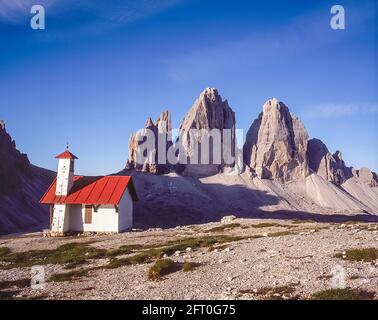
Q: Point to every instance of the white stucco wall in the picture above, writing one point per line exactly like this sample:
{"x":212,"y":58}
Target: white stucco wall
{"x":126,"y":212}
{"x":61,"y":218}
{"x":65,"y":176}
{"x":106,"y":219}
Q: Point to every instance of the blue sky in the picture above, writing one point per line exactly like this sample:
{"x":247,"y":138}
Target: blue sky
{"x":101,"y":67}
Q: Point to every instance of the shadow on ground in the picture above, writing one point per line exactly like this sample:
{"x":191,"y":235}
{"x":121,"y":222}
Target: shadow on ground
{"x":167,"y":202}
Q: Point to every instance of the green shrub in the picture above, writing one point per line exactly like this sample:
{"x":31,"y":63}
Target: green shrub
{"x":366,"y":255}
{"x":225,"y":227}
{"x":343,"y":294}
{"x":265,"y":225}
{"x":280,"y":234}
{"x":73,"y":254}
{"x":162,"y":268}
{"x":69,"y":276}
{"x":189,"y":266}
{"x":123,"y":250}
{"x":20,"y":283}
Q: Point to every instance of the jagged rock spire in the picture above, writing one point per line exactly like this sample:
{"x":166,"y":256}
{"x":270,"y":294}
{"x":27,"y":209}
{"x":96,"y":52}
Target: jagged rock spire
{"x":208,"y":112}
{"x":161,"y":129}
{"x":276,"y":144}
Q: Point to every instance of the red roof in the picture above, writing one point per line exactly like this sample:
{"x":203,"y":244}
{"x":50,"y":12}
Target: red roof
{"x":93,"y":190}
{"x":66,"y":155}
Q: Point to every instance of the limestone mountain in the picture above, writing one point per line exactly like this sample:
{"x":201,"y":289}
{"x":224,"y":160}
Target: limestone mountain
{"x":368,"y":177}
{"x":330,"y":167}
{"x":286,"y":174}
{"x":21,"y":187}
{"x":276,"y":144}
{"x":208,"y":112}
{"x":162,"y":132}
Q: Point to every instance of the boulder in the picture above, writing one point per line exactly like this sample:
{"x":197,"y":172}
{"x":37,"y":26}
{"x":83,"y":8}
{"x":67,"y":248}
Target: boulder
{"x":228,"y":219}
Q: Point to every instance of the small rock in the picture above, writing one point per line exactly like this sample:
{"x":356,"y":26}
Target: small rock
{"x":177,"y":253}
{"x":227,"y":250}
{"x":220,"y":261}
{"x":228,"y":219}
{"x":188,"y":249}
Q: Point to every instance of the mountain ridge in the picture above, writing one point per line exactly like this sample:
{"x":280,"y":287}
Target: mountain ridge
{"x":283,"y":174}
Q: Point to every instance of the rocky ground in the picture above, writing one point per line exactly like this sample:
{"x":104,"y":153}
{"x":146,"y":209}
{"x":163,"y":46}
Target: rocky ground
{"x":254,"y":259}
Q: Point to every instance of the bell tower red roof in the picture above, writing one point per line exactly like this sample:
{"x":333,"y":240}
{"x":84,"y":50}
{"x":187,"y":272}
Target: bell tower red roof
{"x":66,"y":155}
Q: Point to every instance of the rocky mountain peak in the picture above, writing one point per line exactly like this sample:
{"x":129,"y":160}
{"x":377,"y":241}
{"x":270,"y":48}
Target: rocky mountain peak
{"x":149,"y":123}
{"x":13,"y":163}
{"x":208,"y":112}
{"x":338,"y":156}
{"x":274,"y":104}
{"x":330,"y":167}
{"x":161,"y":129}
{"x":276,"y":144}
{"x":368,"y":177}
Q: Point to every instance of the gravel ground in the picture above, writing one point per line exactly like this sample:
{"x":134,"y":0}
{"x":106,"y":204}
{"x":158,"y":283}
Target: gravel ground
{"x":303,"y":259}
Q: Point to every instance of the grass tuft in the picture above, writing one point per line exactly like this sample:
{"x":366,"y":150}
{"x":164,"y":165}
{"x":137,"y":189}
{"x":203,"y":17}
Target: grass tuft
{"x":20,"y":283}
{"x":343,"y":294}
{"x":162,"y":268}
{"x":225,"y":227}
{"x":72,"y":254}
{"x":189,"y":266}
{"x":274,"y":293}
{"x":4,"y":251}
{"x":124,"y":250}
{"x":366,"y":255}
{"x":300,"y":221}
{"x":69,"y":276}
{"x":265,"y":225}
{"x":280,"y":234}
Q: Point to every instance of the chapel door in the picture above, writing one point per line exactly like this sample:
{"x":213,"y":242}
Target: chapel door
{"x":88,"y":214}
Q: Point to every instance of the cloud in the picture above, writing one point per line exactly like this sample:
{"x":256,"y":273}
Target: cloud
{"x":329,"y":110}
{"x":15,"y":11}
{"x":91,"y":15}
